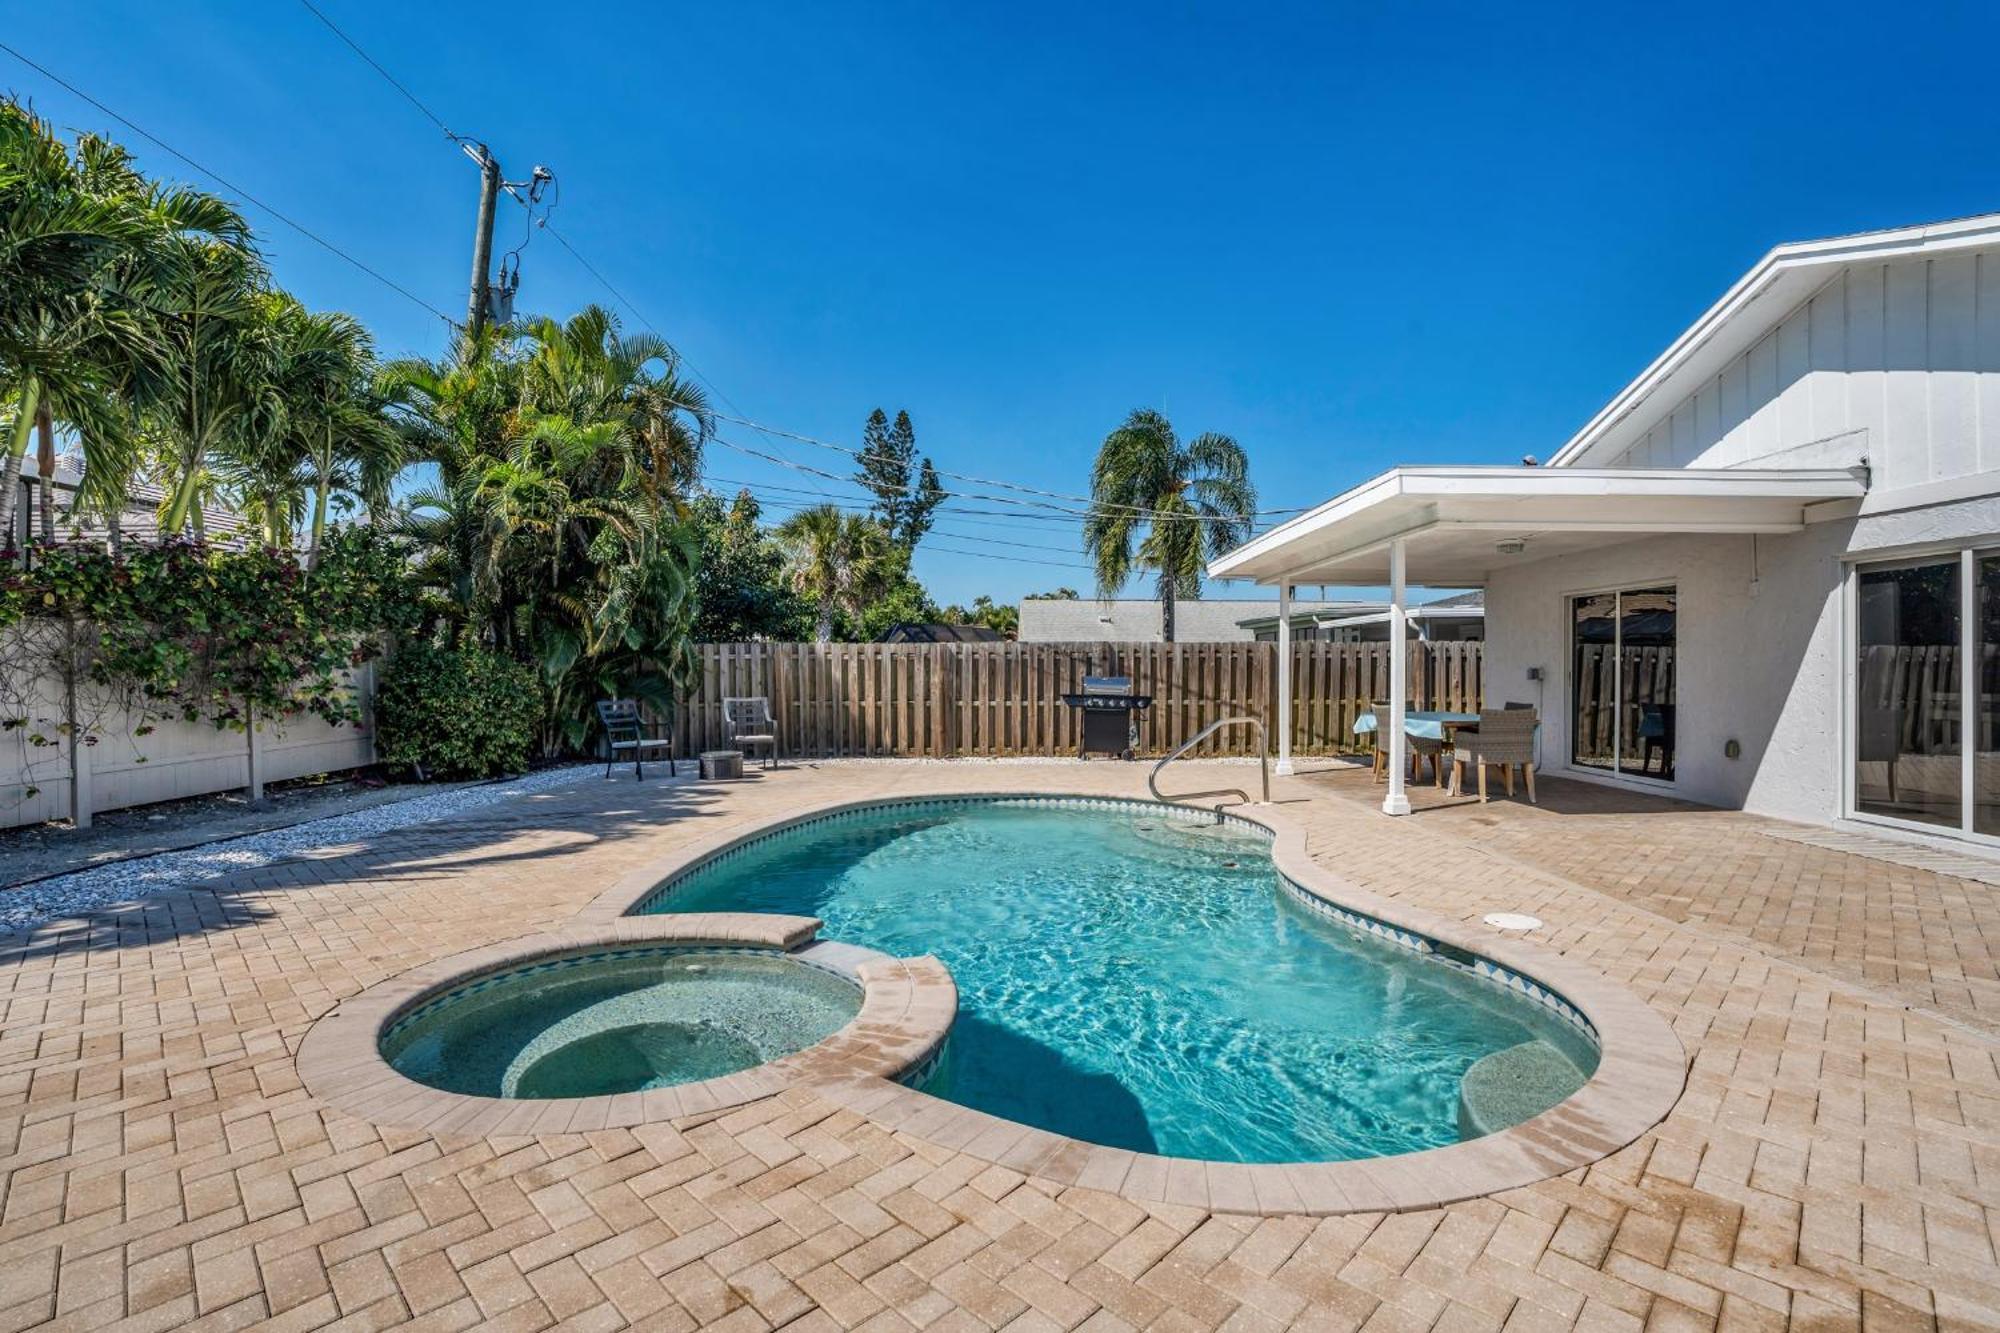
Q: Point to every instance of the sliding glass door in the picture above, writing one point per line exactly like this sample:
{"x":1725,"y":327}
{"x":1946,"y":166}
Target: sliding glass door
{"x":1907,"y":755}
{"x":1622,"y":702}
{"x":1927,"y":636}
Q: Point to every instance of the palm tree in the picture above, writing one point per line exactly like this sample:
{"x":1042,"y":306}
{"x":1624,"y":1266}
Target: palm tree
{"x":324,"y":426}
{"x":220,"y":349}
{"x":1190,"y":501}
{"x":836,"y":561}
{"x":88,"y":247}
{"x":586,"y":370}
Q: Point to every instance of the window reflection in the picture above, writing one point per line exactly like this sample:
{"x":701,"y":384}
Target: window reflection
{"x":1594,"y":680}
{"x":1907,"y":723}
{"x":1646,"y":624}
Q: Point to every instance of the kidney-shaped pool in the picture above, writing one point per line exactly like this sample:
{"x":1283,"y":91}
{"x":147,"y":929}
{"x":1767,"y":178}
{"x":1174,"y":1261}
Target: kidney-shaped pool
{"x":1144,"y":978}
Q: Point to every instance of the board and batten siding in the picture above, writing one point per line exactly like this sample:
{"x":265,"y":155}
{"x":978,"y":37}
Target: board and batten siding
{"x":1895,"y":362}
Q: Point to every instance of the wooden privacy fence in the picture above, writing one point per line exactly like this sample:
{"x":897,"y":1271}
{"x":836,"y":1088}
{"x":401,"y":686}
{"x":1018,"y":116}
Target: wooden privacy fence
{"x":948,"y":700}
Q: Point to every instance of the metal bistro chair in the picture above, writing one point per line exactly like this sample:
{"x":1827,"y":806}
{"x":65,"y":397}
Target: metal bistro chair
{"x":625,"y":729}
{"x":748,"y":722}
{"x":1506,"y":738}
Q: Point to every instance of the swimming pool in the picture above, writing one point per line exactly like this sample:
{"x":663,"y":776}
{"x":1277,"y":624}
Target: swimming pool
{"x":1142,"y":978}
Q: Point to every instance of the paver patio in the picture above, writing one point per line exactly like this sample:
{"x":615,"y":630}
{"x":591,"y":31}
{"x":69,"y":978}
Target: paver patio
{"x":1835,"y":1160}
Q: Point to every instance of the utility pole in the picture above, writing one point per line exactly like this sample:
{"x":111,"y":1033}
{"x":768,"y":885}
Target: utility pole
{"x":482,"y":239}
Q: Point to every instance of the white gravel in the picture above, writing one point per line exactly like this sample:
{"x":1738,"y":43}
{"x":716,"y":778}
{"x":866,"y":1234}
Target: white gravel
{"x":86,"y":891}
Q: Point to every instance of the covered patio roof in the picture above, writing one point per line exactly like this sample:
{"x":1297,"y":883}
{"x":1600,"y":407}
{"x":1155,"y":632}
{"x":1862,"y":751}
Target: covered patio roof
{"x":1452,"y":526}
{"x":1457,"y":524}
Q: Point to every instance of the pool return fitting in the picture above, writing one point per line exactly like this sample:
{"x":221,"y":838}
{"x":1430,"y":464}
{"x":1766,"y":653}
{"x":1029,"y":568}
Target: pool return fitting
{"x":1263,"y":763}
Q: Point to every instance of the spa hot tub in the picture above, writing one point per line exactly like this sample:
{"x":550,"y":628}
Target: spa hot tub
{"x":618,"y":1020}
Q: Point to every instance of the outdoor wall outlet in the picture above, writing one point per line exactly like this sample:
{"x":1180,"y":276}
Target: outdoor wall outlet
{"x":1534,"y":673}
{"x":1732,"y":748}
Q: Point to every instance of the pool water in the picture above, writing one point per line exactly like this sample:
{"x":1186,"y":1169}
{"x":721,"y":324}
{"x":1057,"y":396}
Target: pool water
{"x":620,"y":1022}
{"x":1142,"y":981}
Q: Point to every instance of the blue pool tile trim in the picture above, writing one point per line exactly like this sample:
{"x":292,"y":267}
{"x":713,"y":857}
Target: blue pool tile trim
{"x":1480,"y":966}
{"x":1461,"y":959}
{"x":510,"y":972}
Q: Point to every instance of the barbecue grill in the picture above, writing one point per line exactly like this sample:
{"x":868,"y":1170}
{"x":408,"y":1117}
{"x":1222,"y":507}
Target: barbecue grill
{"x":1107,"y":704}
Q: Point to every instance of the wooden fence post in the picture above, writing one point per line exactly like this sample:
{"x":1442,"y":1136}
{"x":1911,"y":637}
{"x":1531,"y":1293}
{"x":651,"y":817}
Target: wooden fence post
{"x":255,"y":787}
{"x":81,"y":806}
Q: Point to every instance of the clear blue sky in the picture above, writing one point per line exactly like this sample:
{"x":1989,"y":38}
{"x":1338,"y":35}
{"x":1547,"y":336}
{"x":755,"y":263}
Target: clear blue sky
{"x":1349,"y":237}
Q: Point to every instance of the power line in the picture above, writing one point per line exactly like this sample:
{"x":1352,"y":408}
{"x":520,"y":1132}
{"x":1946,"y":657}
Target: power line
{"x":394,"y":82}
{"x":1033,"y":508}
{"x":229,"y":185}
{"x":776,"y":434}
{"x":562,"y":240}
{"x":953,"y":533}
{"x":864,"y":456}
{"x":1014,"y":517}
{"x":1017,"y":559}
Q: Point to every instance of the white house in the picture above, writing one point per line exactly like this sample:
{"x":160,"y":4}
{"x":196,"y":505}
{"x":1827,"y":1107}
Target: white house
{"x":1767,"y":573}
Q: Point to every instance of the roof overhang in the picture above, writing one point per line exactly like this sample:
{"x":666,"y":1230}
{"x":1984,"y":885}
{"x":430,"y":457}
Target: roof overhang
{"x":1459,"y":524}
{"x":1758,"y":302}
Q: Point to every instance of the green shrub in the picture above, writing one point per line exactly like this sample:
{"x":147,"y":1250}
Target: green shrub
{"x":456,"y":712}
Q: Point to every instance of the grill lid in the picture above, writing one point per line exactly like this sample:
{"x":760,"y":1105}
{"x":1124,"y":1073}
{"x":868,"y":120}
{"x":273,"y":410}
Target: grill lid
{"x":1107,"y":684}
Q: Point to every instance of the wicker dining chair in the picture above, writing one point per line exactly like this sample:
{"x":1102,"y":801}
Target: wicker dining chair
{"x":1505,"y":739}
{"x":1379,"y":761}
{"x":1437,"y":750}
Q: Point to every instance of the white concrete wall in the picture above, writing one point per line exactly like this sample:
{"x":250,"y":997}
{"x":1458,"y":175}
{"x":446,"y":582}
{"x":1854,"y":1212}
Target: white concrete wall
{"x":1897,"y":361}
{"x":177,"y":759}
{"x":1763,"y":670}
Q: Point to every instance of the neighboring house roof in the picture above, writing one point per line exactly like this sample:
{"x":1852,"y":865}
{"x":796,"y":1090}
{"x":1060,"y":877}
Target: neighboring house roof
{"x":1137,"y":619}
{"x":1757,"y":303}
{"x":139,"y":519}
{"x":937,"y":633}
{"x":1462,"y":606}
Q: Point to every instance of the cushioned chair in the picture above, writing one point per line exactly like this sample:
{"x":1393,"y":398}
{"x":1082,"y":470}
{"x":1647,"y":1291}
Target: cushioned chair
{"x":1506,"y":739}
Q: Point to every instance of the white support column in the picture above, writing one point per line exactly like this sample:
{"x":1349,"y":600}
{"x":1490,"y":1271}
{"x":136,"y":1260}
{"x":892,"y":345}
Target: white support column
{"x":1397,"y":802}
{"x":1284,"y":680}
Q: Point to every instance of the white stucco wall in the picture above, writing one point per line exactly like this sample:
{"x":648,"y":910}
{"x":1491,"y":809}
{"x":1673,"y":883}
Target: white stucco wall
{"x":1763,"y":670}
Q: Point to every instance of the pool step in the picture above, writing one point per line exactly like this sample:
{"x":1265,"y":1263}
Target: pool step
{"x":1513,"y":1085}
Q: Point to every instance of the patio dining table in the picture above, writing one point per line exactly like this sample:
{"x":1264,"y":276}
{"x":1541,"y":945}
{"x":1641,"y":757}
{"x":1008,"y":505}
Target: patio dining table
{"x":1424,"y":724}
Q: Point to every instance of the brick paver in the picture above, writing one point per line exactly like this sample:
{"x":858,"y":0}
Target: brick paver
{"x":1834,"y":1162}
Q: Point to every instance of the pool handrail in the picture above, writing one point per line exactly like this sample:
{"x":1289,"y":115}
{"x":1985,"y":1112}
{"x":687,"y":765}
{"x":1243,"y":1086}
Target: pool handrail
{"x":1263,"y":762}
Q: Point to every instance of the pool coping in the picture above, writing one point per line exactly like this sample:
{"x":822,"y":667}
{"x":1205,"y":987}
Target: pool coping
{"x":907,"y":1007}
{"x":1641,"y":1070}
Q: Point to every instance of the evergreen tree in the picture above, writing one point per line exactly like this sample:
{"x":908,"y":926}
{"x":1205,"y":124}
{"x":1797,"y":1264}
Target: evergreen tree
{"x":906,"y":488}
